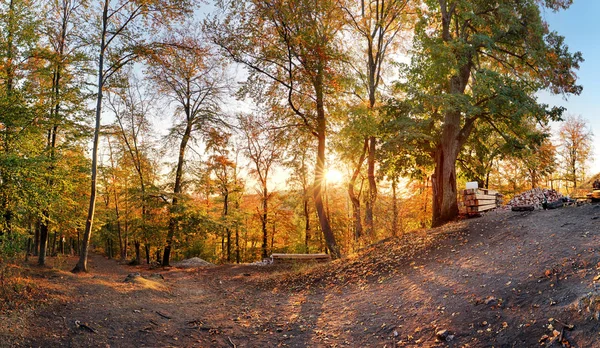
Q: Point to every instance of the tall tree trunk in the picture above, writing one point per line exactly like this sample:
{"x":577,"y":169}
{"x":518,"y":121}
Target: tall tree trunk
{"x":445,"y":205}
{"x":82,"y":263}
{"x":223,"y":247}
{"x":55,"y":111}
{"x":43,"y":244}
{"x":36,"y":239}
{"x":121,"y":245}
{"x":134,"y":153}
{"x":115,"y":193}
{"x":273,"y":235}
{"x":53,"y":253}
{"x":138,"y":253}
{"x":355,"y":198}
{"x":227,"y":235}
{"x":263,"y":220}
{"x":320,"y":170}
{"x":51,"y":146}
{"x":176,"y":192}
{"x":372,"y":196}
{"x":237,"y":244}
{"x":78,"y":246}
{"x":394,"y":207}
{"x":9,"y":81}
{"x":28,"y":249}
{"x":306,"y":222}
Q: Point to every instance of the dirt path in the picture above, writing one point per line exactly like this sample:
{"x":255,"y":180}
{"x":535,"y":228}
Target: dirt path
{"x":497,"y":284}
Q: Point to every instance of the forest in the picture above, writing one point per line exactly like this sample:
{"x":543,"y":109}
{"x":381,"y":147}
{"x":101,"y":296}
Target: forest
{"x":158,"y":130}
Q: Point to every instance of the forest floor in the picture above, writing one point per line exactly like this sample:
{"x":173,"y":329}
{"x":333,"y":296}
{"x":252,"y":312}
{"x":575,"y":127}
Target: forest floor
{"x":507,"y":279}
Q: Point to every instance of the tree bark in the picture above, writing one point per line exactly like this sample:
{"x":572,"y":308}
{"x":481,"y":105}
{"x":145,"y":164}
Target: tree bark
{"x":82,"y":263}
{"x":355,"y":198}
{"x":445,"y":205}
{"x":138,"y":253}
{"x":43,"y":244}
{"x":394,"y":207}
{"x":177,"y":190}
{"x":147,"y":249}
{"x":320,"y":170}
{"x":306,"y":222}
{"x":372,"y":196}
{"x":263,"y":221}
{"x":227,"y":229}
{"x":36,"y":239}
{"x":53,"y":253}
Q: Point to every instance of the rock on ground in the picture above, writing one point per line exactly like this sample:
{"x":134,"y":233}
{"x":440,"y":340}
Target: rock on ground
{"x":193,"y":262}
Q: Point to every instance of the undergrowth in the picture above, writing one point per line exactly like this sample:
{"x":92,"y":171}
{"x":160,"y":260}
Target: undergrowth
{"x":16,"y":288}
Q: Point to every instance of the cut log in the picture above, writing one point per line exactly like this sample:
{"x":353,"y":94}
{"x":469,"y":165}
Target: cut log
{"x":282,"y":258}
{"x":481,"y":208}
{"x":523,"y":208}
{"x":479,"y":191}
{"x":478,"y":196}
{"x":477,"y":202}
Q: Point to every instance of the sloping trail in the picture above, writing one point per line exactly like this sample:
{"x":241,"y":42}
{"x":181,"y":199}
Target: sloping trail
{"x":496,"y":283}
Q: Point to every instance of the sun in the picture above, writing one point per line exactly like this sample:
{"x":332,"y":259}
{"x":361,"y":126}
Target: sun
{"x":334,"y":176}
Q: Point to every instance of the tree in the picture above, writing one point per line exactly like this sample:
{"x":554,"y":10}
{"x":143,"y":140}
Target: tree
{"x":526,"y":143}
{"x":299,"y":149}
{"x":224,"y":170}
{"x":18,"y":41}
{"x":293,"y":45}
{"x":65,"y":98}
{"x":189,"y":73}
{"x":131,"y":106}
{"x":377,"y":24}
{"x":575,"y":147}
{"x":482,"y":62}
{"x":264,"y":148}
{"x":121,"y":40}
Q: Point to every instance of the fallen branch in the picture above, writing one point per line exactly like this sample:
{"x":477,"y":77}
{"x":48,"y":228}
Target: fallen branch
{"x":84,"y":326}
{"x":230,"y":341}
{"x":560,"y":338}
{"x":567,"y":326}
{"x":163,"y":315}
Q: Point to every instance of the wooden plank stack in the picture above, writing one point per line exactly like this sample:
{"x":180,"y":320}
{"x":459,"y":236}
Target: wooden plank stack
{"x":288,"y":258}
{"x":476,"y":201}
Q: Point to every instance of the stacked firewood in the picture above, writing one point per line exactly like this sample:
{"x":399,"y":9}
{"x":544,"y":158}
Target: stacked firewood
{"x":535,"y":198}
{"x":475,"y":201}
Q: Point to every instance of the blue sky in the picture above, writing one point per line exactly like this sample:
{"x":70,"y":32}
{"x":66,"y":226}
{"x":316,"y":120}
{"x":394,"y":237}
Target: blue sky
{"x":580,"y":27}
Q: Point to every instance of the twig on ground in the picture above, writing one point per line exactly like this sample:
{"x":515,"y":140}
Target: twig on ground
{"x":163,"y":315}
{"x":567,"y":326}
{"x":560,"y":338}
{"x":230,"y":341}
{"x":84,"y":326}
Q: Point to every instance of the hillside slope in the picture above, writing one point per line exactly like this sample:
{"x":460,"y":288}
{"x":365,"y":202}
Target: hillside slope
{"x":507,"y":279}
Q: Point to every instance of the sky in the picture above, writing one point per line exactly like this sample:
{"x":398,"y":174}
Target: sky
{"x":580,"y":27}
